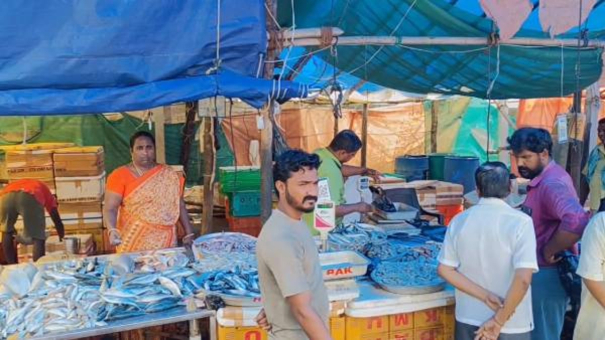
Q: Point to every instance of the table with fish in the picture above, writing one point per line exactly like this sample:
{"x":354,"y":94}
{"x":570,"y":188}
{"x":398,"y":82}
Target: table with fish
{"x":99,"y":295}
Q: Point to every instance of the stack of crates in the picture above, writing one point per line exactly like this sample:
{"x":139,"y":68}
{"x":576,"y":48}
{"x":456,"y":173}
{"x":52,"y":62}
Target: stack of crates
{"x":241,"y":186}
{"x":80,"y":181}
{"x":431,"y":324}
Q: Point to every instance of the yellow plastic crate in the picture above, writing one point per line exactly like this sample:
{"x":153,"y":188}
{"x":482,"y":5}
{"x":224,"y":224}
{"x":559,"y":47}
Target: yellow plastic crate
{"x":381,"y":336}
{"x":407,"y":334}
{"x":429,"y":318}
{"x":450,"y":319}
{"x":241,"y":333}
{"x":356,"y":328}
{"x":435,"y":333}
{"x":401,"y":322}
{"x":338,"y":328}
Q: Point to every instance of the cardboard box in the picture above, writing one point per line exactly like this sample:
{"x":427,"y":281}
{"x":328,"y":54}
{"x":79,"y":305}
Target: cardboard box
{"x":80,"y":210}
{"x":37,"y":172}
{"x":26,"y":158}
{"x":401,"y":322}
{"x":80,"y":189}
{"x":356,"y":327}
{"x":433,"y":193}
{"x":79,"y":162}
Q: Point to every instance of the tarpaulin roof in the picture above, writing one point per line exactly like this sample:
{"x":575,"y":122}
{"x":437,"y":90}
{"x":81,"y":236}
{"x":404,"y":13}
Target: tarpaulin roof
{"x":96,"y":56}
{"x":519,"y":71}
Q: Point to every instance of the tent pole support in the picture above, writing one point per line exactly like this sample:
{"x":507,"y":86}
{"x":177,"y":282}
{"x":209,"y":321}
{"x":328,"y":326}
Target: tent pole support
{"x":438,"y":41}
{"x":159,"y":118}
{"x":209,"y":160}
{"x":266,"y":135}
{"x":364,"y":136}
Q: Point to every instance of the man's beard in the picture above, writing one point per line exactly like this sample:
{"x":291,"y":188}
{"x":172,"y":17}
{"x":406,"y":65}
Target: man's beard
{"x":299,"y":206}
{"x":530,"y":174}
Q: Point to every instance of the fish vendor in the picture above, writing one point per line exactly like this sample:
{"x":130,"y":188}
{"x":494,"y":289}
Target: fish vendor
{"x":27,"y":198}
{"x":341,"y":150}
{"x":295,"y":299}
{"x":144,"y":201}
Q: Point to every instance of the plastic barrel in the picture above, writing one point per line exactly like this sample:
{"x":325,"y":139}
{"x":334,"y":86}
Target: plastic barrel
{"x":461,"y":170}
{"x":436,"y":166}
{"x":413,"y":168}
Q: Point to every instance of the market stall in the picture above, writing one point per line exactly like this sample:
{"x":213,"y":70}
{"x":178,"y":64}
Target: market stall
{"x":379,"y":286}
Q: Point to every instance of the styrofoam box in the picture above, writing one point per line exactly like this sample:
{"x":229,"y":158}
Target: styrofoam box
{"x":80,"y":189}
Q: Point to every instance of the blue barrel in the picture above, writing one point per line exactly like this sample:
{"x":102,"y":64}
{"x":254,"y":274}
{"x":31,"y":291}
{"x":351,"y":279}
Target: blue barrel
{"x":413,"y":168}
{"x":461,"y":170}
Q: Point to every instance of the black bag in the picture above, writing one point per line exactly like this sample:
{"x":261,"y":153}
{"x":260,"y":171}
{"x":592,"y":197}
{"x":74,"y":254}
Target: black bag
{"x":572,"y":282}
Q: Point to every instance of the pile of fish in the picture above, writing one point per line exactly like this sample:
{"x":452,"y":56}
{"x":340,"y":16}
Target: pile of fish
{"x":88,"y":293}
{"x":355,"y":237}
{"x":419,"y":273}
{"x":218,"y":262}
{"x":221,"y":243}
{"x":395,"y":250}
{"x":235,"y":282}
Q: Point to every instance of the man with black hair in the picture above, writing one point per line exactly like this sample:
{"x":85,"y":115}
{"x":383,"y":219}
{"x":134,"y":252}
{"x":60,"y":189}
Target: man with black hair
{"x":488,"y":262}
{"x":559,"y":221}
{"x":341,"y":150}
{"x":595,"y":172}
{"x":295,"y":299}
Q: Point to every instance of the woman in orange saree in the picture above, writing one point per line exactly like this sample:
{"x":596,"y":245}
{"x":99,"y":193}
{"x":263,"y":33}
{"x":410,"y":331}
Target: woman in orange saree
{"x":143,"y":202}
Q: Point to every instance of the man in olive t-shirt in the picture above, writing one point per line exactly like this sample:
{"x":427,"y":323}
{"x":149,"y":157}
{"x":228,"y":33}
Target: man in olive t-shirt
{"x":341,"y":150}
{"x":295,"y":299}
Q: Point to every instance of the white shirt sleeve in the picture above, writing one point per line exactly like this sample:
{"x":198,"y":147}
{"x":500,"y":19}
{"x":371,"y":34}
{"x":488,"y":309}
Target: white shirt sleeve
{"x":524,"y":254}
{"x":592,"y":256}
{"x":448,"y":254}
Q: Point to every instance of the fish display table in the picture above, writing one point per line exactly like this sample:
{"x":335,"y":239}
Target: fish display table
{"x":156,"y":319}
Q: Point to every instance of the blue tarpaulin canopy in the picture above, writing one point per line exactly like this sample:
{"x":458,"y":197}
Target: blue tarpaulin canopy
{"x":95,"y":56}
{"x":515,"y":71}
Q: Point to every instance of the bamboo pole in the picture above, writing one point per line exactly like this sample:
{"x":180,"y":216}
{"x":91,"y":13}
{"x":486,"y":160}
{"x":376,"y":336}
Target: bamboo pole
{"x":434,"y":126}
{"x":266,"y":136}
{"x":159,"y":117}
{"x":209,"y":157}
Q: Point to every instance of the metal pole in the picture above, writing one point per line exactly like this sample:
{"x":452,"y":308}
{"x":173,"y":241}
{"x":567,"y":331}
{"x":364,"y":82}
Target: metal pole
{"x":437,"y":41}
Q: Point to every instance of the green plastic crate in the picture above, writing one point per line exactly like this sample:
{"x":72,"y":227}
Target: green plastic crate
{"x":244,"y":203}
{"x":239,"y":179}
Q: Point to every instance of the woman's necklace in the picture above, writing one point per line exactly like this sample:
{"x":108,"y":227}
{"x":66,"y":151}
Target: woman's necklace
{"x":139,"y":172}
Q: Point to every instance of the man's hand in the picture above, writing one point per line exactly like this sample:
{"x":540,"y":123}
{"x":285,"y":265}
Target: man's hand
{"x":61,"y":232}
{"x":261,"y":320}
{"x":493,"y":301}
{"x":364,"y":208}
{"x":490,"y":330}
{"x":550,"y":257}
{"x":375,"y":174}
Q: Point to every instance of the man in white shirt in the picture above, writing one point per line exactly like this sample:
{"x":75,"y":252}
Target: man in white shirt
{"x":590,"y":325}
{"x":489,"y":256}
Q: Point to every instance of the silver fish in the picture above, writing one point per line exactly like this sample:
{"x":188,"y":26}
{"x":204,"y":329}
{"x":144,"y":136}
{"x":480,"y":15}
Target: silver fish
{"x":170,"y":285}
